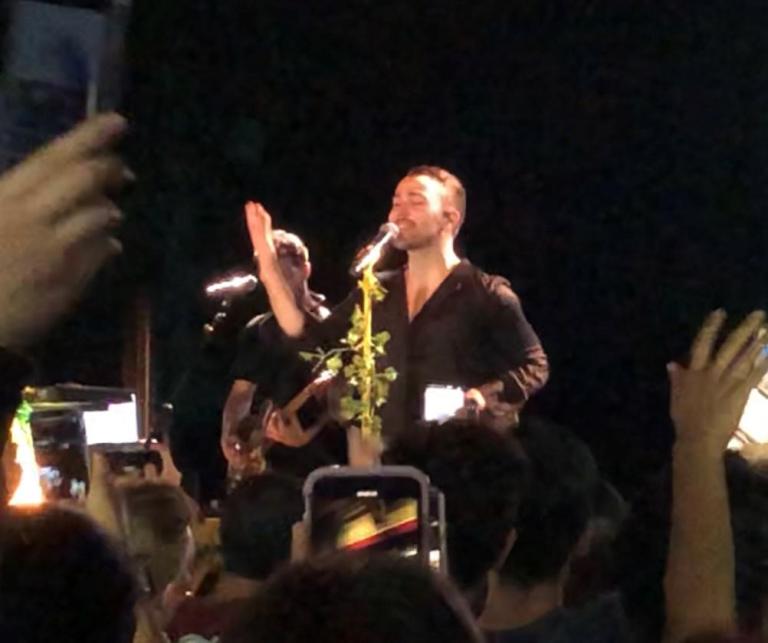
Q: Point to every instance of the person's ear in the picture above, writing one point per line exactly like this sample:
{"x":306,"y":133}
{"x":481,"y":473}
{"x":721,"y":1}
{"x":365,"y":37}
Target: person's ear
{"x":307,"y":270}
{"x":299,"y":541}
{"x":508,"y":544}
{"x":453,"y":218}
{"x":584,"y":543}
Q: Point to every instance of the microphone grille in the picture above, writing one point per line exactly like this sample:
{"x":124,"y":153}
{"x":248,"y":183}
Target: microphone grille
{"x":391,"y":228}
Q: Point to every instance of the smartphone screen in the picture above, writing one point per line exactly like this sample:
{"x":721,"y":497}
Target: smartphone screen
{"x":753,"y":425}
{"x":109,"y":415}
{"x":130,"y":459}
{"x":61,"y":454}
{"x":441,"y":403}
{"x":61,"y":63}
{"x":351,"y":509}
{"x":438,"y":555}
{"x":114,"y":422}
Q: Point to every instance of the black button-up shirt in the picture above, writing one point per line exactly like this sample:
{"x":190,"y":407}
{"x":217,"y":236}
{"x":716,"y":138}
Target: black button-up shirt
{"x":470,"y":332}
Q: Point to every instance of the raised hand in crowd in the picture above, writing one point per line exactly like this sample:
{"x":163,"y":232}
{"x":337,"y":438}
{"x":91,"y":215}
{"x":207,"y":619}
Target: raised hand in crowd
{"x":169,"y":472}
{"x":706,"y":401}
{"x":152,"y":520}
{"x":58,"y":224}
{"x":708,"y":398}
{"x":363,"y":451}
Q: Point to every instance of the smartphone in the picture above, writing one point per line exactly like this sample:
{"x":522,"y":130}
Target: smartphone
{"x":441,"y":403}
{"x":62,"y":62}
{"x":438,"y":553}
{"x":381,"y":509}
{"x":753,"y":425}
{"x":130,"y":459}
{"x":61,"y":453}
{"x":110,"y":415}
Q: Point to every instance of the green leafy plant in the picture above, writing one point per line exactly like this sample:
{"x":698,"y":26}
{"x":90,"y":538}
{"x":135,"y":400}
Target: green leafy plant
{"x":367,"y":388}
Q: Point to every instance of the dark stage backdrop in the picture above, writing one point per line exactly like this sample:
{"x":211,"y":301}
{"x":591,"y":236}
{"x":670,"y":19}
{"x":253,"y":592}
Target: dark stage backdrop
{"x":614,"y":153}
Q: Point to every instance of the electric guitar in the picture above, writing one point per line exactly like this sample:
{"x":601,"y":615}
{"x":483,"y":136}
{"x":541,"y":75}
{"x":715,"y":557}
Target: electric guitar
{"x":272,"y":425}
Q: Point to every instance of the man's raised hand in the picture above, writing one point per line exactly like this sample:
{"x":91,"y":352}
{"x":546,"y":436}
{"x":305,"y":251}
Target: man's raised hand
{"x":260,"y":229}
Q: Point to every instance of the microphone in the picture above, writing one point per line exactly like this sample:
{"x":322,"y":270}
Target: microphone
{"x":232,"y":285}
{"x":371,"y":253}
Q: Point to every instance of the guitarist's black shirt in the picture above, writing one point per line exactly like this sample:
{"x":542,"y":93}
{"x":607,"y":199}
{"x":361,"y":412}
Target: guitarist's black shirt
{"x":266,"y":360}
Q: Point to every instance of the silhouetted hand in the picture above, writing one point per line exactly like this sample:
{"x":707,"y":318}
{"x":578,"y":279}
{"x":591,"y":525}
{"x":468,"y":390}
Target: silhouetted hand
{"x":234,"y":450}
{"x":57,"y":224}
{"x":363,"y":451}
{"x":101,"y":502}
{"x":474,"y":402}
{"x":170,"y":472}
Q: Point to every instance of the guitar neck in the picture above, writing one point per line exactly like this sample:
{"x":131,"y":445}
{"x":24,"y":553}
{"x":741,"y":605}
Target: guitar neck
{"x":304,"y":394}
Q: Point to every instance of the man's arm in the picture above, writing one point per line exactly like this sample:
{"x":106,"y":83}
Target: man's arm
{"x":288,"y":313}
{"x":522,"y":381}
{"x":523,"y":366}
{"x":250,"y":364}
{"x":236,"y":408}
{"x":706,"y":402}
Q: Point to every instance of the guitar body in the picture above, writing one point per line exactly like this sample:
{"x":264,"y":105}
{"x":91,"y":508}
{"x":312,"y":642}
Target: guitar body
{"x":272,"y":425}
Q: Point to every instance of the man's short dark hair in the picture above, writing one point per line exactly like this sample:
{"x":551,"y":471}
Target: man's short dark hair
{"x":348,"y":598}
{"x":557,"y":507}
{"x":457,"y":195}
{"x":61,"y":578}
{"x":256,"y":525}
{"x":482,"y":475}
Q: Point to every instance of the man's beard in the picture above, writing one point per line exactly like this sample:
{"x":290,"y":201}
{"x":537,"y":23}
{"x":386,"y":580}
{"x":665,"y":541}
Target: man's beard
{"x":406,"y":244}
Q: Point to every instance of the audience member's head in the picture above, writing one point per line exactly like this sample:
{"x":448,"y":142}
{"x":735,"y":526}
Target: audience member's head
{"x":62,"y":579}
{"x":593,"y":570}
{"x":349,"y":598}
{"x":256,"y":525}
{"x":157,"y":521}
{"x":482,"y":475}
{"x":557,"y":507}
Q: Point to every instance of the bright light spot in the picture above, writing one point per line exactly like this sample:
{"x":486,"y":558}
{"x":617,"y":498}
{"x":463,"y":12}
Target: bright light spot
{"x":29,"y":492}
{"x":234,"y":284}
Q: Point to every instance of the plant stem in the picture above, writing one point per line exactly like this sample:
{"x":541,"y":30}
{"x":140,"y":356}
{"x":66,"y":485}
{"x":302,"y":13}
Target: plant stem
{"x":367,"y":284}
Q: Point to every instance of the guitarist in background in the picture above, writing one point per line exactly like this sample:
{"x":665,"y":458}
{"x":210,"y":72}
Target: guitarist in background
{"x":270,"y":376}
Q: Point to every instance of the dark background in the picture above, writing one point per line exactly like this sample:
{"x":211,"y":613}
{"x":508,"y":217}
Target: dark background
{"x":614,"y":155}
